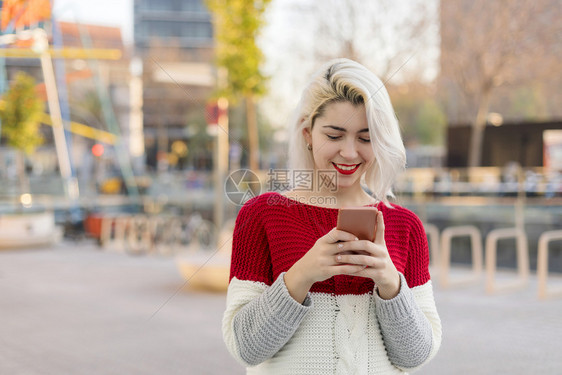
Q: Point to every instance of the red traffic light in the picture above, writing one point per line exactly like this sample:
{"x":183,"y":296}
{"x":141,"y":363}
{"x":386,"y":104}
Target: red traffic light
{"x":97,"y":149}
{"x":216,"y":109}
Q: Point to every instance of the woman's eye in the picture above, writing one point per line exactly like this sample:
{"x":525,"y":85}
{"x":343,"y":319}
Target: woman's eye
{"x":334,"y":137}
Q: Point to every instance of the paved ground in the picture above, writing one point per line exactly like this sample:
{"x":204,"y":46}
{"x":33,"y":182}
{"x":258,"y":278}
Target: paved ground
{"x":74,"y":309}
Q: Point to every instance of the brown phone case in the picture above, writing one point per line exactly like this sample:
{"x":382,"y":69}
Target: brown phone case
{"x":360,"y":221}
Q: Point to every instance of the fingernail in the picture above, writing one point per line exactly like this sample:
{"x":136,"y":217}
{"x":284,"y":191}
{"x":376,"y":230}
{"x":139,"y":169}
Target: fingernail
{"x":356,"y":239}
{"x":340,"y":246}
{"x":339,"y":257}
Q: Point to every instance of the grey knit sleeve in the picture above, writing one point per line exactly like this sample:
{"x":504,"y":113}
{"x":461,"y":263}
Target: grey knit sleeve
{"x":406,"y":331}
{"x":264,"y":325}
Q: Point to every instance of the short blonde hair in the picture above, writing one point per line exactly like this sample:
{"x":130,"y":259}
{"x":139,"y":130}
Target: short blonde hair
{"x":344,"y":80}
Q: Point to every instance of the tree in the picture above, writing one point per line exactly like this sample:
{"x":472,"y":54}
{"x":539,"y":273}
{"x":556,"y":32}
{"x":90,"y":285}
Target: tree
{"x":380,"y":36}
{"x":421,"y":118}
{"x":20,"y":112}
{"x":489,"y":44}
{"x":239,"y":133}
{"x":237,"y":24}
{"x":397,"y":40}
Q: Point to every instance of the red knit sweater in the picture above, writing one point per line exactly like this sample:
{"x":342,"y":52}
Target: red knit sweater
{"x":272,"y":232}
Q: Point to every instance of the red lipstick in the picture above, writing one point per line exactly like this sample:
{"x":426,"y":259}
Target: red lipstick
{"x":346,"y":172}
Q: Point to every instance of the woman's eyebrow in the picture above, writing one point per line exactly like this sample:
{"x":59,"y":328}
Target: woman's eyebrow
{"x":366,"y":130}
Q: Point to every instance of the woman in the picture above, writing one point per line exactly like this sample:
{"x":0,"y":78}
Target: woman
{"x":306,"y":298}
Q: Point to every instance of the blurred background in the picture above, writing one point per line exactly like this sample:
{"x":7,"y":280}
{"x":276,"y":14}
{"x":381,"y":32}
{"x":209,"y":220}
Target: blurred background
{"x":138,"y":128}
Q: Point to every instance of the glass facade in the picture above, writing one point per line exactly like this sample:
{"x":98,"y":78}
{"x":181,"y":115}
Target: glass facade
{"x":186,"y":22}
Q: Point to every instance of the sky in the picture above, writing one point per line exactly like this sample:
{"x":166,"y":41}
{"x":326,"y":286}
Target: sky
{"x":101,"y":12}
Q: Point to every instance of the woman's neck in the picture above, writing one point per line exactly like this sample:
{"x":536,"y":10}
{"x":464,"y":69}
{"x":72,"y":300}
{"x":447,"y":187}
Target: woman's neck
{"x":328,"y":196}
{"x":352,"y":196}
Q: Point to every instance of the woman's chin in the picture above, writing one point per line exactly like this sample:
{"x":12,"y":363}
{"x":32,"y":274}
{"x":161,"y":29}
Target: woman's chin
{"x":347,"y":185}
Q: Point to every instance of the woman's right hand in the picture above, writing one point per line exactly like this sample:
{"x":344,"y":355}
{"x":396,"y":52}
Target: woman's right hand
{"x":319,"y":264}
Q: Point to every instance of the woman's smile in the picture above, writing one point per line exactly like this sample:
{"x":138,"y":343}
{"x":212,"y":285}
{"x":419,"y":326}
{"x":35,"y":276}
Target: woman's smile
{"x":346,"y":169}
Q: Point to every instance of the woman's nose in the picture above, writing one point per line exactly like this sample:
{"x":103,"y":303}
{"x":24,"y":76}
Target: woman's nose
{"x":349,"y":150}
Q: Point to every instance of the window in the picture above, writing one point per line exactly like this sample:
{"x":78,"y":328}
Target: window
{"x":164,"y":29}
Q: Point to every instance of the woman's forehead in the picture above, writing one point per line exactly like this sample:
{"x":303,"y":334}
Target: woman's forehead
{"x":344,"y":116}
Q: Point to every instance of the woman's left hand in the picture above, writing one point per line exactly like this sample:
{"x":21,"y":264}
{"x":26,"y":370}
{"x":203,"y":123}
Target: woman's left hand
{"x":374,"y":256}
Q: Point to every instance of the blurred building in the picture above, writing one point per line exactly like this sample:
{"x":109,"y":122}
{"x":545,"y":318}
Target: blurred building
{"x":99,"y":93}
{"x":527,"y":144}
{"x":173,"y":43}
{"x":92,"y":91}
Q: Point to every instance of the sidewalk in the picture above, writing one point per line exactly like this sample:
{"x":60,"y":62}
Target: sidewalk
{"x":74,"y":309}
{"x":507,"y":333}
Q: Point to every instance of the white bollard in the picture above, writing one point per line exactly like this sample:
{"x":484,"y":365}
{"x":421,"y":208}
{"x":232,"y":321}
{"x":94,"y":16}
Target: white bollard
{"x":542,"y":264}
{"x":445,"y":256}
{"x":522,"y":258}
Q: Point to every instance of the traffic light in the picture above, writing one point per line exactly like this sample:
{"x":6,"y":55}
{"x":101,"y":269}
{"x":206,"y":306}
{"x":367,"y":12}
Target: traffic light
{"x":97,"y":150}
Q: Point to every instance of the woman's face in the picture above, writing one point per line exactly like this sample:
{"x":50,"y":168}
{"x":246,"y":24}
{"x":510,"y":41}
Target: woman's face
{"x":340,"y":141}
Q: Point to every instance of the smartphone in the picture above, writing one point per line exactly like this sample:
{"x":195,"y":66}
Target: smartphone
{"x":360,"y":221}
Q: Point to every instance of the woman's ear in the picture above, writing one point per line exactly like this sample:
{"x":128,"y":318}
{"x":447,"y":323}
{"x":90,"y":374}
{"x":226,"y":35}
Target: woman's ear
{"x":307,"y":136}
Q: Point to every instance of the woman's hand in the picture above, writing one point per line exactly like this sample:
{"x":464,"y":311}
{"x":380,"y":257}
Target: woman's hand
{"x":375,"y":260}
{"x":320,"y":263}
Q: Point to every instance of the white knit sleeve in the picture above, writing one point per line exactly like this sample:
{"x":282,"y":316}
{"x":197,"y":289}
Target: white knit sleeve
{"x":410,"y":325}
{"x":423,"y":294}
{"x":260,"y":319}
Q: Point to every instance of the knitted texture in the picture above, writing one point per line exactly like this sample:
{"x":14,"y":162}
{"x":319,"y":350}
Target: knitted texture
{"x":273,"y":315}
{"x":407,"y":335}
{"x":343,"y":327}
{"x":272,"y":232}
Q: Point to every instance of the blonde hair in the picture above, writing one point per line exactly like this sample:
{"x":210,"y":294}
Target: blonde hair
{"x":344,"y":80}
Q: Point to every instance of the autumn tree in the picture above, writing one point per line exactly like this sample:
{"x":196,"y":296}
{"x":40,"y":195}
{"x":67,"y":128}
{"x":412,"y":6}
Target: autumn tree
{"x":388,"y":37}
{"x":486,"y":45}
{"x":397,"y":40}
{"x":421,"y":118}
{"x":237,"y":24}
{"x":20,"y":111}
